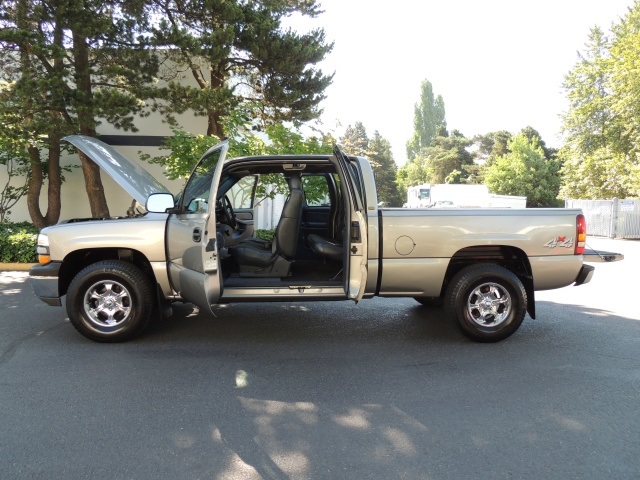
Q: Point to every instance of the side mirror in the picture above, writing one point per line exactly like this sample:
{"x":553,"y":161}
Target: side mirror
{"x":159,"y":202}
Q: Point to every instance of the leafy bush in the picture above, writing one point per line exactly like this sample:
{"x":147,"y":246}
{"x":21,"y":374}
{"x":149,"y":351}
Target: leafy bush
{"x":266,"y":234}
{"x":18,"y":242}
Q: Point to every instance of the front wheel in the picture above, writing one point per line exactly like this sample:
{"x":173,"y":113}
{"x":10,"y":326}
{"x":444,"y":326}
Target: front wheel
{"x":110,"y":301}
{"x":486,"y":302}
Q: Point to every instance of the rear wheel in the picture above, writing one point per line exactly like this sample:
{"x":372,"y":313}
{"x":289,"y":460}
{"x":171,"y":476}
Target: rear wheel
{"x":486,"y":302}
{"x":110,"y":301}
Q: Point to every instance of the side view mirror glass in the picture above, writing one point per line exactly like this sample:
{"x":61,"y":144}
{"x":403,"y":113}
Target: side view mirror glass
{"x":159,"y":202}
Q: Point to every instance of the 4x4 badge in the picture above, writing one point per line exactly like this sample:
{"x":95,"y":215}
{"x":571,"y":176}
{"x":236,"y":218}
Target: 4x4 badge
{"x":560,"y":242}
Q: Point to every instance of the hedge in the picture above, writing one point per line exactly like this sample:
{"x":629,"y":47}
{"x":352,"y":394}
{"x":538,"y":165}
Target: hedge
{"x":18,"y":242}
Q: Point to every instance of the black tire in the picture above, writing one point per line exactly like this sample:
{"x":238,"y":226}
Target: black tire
{"x":486,"y":302}
{"x":430,"y":301}
{"x":110,"y":301}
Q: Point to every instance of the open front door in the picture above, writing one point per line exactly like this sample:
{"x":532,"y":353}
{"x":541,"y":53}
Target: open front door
{"x":356,"y":275}
{"x":191,"y":245}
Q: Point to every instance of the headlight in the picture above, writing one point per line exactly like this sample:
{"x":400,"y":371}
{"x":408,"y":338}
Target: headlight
{"x":43,"y":249}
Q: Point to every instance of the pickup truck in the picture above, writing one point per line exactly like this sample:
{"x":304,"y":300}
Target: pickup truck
{"x":332,"y":242}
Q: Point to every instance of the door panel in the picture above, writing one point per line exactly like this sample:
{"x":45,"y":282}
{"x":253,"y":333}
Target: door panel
{"x":191,"y":234}
{"x":315,"y":220}
{"x":357,"y":257}
{"x":316,"y":212}
{"x":356,"y":274}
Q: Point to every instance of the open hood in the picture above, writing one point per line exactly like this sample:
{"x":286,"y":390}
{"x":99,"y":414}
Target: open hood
{"x":136,"y":181}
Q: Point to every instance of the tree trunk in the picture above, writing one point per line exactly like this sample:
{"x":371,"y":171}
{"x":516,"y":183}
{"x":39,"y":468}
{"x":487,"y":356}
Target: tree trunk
{"x":35,"y":181}
{"x":55,"y":183}
{"x":35,"y":186}
{"x":214,"y":125}
{"x":214,"y":117}
{"x":86,"y":121}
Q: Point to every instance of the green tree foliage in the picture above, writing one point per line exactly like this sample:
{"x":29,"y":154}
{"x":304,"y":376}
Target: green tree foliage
{"x":447,"y":160}
{"x":355,"y":140}
{"x":600,"y":174}
{"x":491,"y":145}
{"x":448,"y":154}
{"x":590,"y":124}
{"x":412,"y":173}
{"x":486,"y":148}
{"x":428,"y":120}
{"x":377,"y":150}
{"x":185,"y":149}
{"x":525,"y":171}
{"x":624,"y":81}
{"x":602,"y":125}
{"x":384,"y":171}
{"x":15,"y":158}
{"x":66,"y":65}
{"x":243,"y":65}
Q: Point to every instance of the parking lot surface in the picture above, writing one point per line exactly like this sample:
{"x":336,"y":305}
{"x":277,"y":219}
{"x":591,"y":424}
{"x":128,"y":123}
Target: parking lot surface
{"x":386,"y":389}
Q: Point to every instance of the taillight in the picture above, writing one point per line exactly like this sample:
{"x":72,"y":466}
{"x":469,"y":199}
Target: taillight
{"x":581,"y":234}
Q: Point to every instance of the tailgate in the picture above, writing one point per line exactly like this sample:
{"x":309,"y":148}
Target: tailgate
{"x":597,"y":256}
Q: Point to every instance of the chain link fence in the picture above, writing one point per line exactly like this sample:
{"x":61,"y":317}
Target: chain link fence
{"x":610,"y":218}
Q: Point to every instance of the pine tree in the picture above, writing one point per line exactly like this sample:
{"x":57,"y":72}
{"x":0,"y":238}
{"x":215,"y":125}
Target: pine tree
{"x":247,"y":69}
{"x":384,"y":171}
{"x":68,"y":64}
{"x":355,"y":140}
{"x":378,"y":151}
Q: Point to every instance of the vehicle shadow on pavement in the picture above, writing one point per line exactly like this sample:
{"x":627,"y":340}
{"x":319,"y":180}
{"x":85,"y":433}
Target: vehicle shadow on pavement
{"x":306,"y":320}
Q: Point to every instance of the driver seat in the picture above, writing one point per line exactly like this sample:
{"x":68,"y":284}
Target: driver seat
{"x":264,"y":259}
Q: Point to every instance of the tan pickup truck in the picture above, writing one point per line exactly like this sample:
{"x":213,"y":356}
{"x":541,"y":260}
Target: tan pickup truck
{"x":332,"y":242}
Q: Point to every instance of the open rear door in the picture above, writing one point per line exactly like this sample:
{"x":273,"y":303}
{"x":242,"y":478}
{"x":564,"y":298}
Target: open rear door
{"x":191,"y":244}
{"x":356,"y":275}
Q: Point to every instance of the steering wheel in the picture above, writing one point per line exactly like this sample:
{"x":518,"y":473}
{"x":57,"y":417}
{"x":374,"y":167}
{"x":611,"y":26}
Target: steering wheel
{"x":228,"y":213}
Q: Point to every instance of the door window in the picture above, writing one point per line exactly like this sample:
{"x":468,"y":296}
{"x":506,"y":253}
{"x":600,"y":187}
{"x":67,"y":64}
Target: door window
{"x":316,"y":191}
{"x":241,"y":194}
{"x":196,"y":194}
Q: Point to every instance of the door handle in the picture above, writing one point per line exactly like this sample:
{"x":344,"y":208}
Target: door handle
{"x":197,"y":235}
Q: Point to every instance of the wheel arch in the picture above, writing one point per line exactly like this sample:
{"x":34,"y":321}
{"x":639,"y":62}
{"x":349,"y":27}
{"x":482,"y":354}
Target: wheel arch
{"x":509,"y":257}
{"x":77,"y":260}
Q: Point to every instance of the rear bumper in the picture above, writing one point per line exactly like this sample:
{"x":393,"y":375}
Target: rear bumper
{"x":586,"y":272}
{"x":44,"y":281}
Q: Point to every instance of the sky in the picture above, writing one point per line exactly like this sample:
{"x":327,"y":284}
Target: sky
{"x":498,"y":64}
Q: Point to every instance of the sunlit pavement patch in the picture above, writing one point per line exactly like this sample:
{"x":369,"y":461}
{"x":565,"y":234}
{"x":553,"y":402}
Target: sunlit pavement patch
{"x":7,"y":277}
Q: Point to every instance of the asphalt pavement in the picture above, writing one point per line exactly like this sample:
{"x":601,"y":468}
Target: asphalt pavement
{"x":386,"y":389}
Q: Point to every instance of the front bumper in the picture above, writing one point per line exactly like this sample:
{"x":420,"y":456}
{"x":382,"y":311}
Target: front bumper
{"x":586,"y":272}
{"x":44,"y":280}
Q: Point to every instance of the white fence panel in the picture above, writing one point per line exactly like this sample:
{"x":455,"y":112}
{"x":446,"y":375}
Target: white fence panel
{"x":610,"y":218}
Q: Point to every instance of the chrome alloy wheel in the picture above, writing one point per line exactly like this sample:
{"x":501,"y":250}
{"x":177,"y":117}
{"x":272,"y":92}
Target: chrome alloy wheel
{"x":489,"y":305}
{"x":107,"y":303}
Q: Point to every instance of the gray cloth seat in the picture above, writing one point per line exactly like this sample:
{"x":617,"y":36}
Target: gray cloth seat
{"x":262,"y":254}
